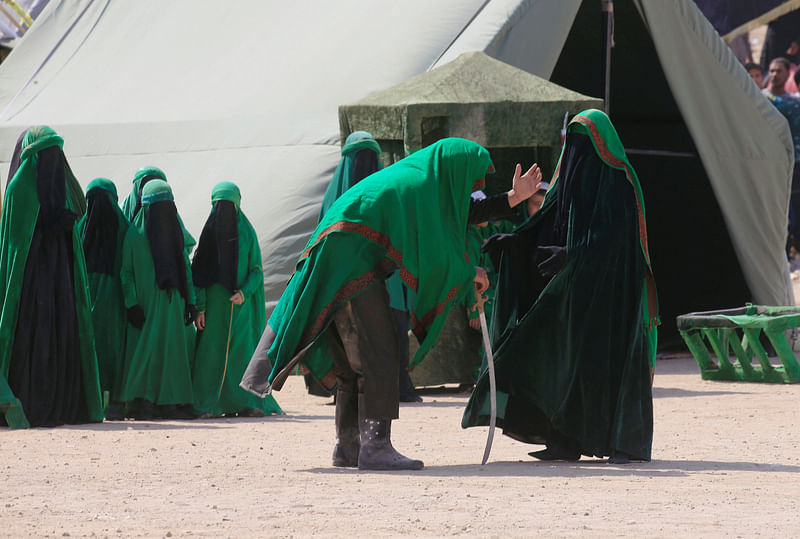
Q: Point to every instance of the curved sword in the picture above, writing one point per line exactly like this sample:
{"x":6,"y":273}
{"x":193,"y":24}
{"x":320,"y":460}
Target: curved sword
{"x":487,"y":347}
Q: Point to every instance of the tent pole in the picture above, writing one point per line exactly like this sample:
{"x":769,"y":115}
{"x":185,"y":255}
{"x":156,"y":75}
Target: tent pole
{"x":608,"y":37}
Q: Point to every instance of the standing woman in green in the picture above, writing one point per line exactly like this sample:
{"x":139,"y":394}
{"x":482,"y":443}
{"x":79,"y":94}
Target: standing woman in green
{"x":46,"y":343}
{"x":156,"y":283}
{"x":103,"y":230}
{"x":229,"y":282}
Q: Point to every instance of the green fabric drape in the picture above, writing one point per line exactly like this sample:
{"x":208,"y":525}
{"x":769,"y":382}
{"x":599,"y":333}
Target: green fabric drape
{"x":341,"y":181}
{"x":573,"y":354}
{"x":20,"y":212}
{"x":411,"y":216}
{"x":11,"y":408}
{"x":108,"y":305}
{"x":231,"y":332}
{"x":135,"y":196}
{"x":158,"y":356}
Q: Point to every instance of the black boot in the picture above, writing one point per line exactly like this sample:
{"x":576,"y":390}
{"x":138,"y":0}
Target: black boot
{"x":377,"y":452}
{"x":345,"y":452}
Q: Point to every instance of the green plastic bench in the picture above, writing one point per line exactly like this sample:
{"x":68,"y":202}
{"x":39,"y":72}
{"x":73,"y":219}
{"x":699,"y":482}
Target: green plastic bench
{"x":727,"y":344}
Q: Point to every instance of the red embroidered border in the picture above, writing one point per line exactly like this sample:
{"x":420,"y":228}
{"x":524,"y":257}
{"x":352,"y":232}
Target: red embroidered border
{"x":361,"y":283}
{"x":610,"y":158}
{"x":350,"y":289}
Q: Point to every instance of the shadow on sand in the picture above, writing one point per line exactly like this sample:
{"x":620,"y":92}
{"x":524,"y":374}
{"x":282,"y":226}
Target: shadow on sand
{"x":588,"y":467}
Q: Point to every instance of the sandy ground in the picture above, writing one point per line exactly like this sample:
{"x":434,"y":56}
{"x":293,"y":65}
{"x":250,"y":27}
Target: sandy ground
{"x":726,"y":461}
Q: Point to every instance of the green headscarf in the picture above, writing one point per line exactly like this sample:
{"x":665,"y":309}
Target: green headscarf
{"x":104,"y":184}
{"x":341,"y":181}
{"x":411,"y":216}
{"x":133,"y":202}
{"x":156,"y":191}
{"x":226,"y":191}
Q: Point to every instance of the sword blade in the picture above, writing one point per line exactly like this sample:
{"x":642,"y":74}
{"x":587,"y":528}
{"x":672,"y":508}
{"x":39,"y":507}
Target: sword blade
{"x":492,"y":387}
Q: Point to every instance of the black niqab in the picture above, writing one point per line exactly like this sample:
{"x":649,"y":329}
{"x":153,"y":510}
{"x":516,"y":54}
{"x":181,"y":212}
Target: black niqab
{"x":364,"y":164}
{"x":578,"y":153}
{"x":100,"y":233}
{"x":142,"y":183}
{"x":217,"y":257}
{"x":165,"y":235}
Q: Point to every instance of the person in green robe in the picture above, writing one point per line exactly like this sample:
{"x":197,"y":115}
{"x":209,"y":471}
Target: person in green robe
{"x":411,"y":217}
{"x":575,"y":314}
{"x":47,"y":352}
{"x":130,"y":209}
{"x":159,"y":300}
{"x":133,"y":202}
{"x":103,"y":229}
{"x":229,"y":283}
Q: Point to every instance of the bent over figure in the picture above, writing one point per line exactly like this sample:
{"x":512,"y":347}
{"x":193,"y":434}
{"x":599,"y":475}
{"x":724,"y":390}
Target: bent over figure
{"x":410,"y":217}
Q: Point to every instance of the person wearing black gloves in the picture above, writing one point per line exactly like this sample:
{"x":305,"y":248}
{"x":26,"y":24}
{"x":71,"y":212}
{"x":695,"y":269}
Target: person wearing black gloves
{"x":159,"y":298}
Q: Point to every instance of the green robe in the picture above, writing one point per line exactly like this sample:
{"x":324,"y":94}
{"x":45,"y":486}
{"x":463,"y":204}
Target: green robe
{"x":158,"y":356}
{"x":129,"y":209}
{"x":235,"y":328}
{"x":20,"y":212}
{"x":108,"y":312}
{"x":411,"y":217}
{"x":573,"y":353}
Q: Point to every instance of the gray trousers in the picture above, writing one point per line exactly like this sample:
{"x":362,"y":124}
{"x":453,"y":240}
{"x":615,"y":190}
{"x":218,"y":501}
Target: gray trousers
{"x":365,"y":352}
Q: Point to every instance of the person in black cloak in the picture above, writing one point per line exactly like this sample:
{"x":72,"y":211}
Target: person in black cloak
{"x":46,"y":343}
{"x":575,"y":314}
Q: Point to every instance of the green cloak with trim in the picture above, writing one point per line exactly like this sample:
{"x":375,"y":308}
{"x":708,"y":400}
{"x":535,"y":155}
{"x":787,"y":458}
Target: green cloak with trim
{"x":231,"y":332}
{"x":17,"y":230}
{"x":108,"y":308}
{"x":341,"y":181}
{"x":574,"y":352}
{"x":410,"y":217}
{"x":158,"y":356}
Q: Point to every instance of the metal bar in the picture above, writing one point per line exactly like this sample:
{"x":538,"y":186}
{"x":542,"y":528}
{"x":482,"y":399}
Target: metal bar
{"x":608,"y":32}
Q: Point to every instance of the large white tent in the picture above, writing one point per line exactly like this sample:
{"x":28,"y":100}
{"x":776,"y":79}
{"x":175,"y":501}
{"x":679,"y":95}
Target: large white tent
{"x":248,"y":91}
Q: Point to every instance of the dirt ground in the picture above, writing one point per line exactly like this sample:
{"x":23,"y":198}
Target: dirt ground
{"x":726,"y":460}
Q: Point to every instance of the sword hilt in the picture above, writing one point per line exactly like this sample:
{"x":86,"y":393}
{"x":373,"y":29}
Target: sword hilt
{"x":480,"y":299}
